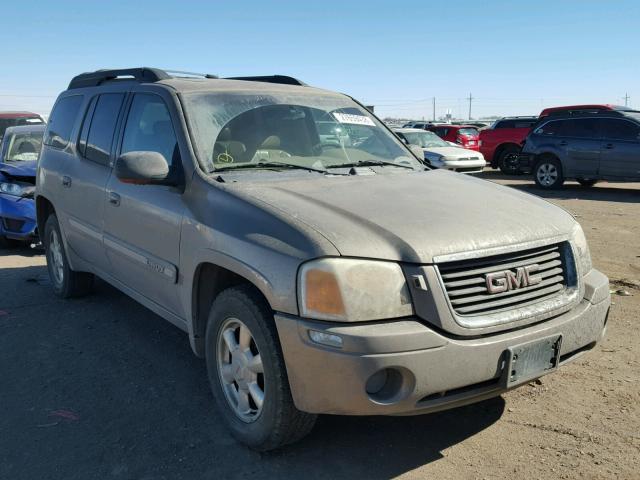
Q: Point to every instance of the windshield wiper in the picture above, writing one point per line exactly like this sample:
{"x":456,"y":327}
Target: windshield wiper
{"x":269,"y":164}
{"x":369,"y":163}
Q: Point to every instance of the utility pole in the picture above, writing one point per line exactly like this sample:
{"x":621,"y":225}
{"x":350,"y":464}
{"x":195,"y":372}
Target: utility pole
{"x":470,"y":100}
{"x":626,"y":99}
{"x":434,"y":109}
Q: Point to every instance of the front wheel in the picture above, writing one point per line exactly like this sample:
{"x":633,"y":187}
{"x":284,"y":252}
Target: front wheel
{"x":247,"y":373}
{"x":548,"y":173}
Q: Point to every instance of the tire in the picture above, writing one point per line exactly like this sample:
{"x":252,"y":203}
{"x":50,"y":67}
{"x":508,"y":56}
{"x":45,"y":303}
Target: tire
{"x":66,"y":283}
{"x":276,"y":421}
{"x":506,"y":160}
{"x":587,"y":182}
{"x":548,"y":173}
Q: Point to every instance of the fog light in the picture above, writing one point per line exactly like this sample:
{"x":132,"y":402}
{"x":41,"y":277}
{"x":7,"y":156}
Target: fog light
{"x":324,"y":338}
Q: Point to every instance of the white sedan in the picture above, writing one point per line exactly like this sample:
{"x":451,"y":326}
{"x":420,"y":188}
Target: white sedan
{"x":441,"y":154}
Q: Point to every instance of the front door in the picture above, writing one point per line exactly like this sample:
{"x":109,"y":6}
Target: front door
{"x":620,"y":149}
{"x":142,"y":222}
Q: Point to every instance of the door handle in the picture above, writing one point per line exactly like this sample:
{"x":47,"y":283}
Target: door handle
{"x":609,"y":146}
{"x":66,"y":181}
{"x":114,"y":199}
{"x":562,"y":143}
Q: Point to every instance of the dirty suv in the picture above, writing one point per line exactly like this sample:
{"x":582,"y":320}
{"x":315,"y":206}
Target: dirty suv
{"x":315,"y":274}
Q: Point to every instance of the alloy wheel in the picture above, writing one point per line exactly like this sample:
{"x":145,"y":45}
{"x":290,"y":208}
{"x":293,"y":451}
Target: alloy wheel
{"x":55,"y":257}
{"x":547,"y":174}
{"x":240,"y":370}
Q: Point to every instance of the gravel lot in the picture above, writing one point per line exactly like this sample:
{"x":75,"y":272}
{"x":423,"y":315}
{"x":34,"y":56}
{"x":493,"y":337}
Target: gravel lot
{"x":102,"y":388}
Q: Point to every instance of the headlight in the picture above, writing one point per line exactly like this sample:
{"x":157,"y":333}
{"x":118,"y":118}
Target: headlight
{"x":582,"y":250}
{"x":16,"y":189}
{"x":352,"y":290}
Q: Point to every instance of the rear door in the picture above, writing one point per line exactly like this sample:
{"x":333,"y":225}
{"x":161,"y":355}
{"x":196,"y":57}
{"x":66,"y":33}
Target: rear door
{"x":581,"y":140}
{"x":142,"y":222}
{"x":620,"y":156}
{"x":86,"y":178}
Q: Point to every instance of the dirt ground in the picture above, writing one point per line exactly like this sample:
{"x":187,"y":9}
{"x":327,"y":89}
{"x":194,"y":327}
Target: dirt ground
{"x":102,"y":388}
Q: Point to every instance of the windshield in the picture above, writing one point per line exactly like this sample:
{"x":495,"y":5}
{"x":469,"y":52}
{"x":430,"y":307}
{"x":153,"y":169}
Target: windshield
{"x":425,"y":139}
{"x":23,"y":147}
{"x":470,"y":132}
{"x":18,"y":121}
{"x":310,"y":130}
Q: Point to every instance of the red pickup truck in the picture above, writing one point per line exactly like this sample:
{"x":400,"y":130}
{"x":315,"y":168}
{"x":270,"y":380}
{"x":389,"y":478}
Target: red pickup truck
{"x":501,"y":142}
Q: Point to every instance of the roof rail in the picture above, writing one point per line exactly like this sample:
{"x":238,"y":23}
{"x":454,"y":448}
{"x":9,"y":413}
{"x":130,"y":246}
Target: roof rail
{"x":284,"y":79}
{"x":180,"y":73}
{"x":93,"y":79}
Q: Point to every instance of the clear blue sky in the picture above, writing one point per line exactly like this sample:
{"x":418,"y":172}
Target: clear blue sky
{"x":514,"y":57}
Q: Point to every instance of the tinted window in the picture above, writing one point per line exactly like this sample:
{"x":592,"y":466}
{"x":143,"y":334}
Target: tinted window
{"x":103,"y":124}
{"x":552,"y":128}
{"x":505,"y":124}
{"x":582,"y":128}
{"x":149,"y":128}
{"x":62,"y":120}
{"x":620,"y":130}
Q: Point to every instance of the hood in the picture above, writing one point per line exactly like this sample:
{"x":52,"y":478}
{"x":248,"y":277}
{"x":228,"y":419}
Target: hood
{"x":451,"y":152}
{"x":19,"y":169}
{"x":412,"y":217}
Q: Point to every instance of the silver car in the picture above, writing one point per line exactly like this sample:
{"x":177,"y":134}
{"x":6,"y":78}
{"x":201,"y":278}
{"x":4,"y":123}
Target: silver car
{"x":442,"y":154}
{"x":315,"y":275}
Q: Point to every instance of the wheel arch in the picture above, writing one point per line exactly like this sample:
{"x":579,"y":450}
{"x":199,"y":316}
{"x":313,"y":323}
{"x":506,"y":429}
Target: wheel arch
{"x":500,"y":148}
{"x":209,"y":280}
{"x":44,"y":208}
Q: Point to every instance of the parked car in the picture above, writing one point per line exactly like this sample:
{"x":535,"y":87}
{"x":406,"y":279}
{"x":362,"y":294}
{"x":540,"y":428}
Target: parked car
{"x":501,"y":143}
{"x":440,"y":154}
{"x":587,"y":145}
{"x":18,"y":155}
{"x":313,"y":278}
{"x":465,"y":135}
{"x":420,"y":124}
{"x":14,"y":119}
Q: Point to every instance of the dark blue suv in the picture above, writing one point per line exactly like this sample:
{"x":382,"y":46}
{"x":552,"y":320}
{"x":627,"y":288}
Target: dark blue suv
{"x":587,"y":145}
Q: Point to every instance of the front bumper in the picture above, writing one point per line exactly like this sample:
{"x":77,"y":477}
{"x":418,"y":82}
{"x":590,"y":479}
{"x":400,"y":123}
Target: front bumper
{"x":431,"y":371}
{"x":17,"y":218}
{"x":526,"y":162}
{"x":462,"y":166}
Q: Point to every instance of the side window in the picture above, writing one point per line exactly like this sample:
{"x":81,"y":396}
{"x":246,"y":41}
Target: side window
{"x":620,"y":130}
{"x":149,"y":128}
{"x":582,"y":128}
{"x":506,"y":124}
{"x":62,"y":120}
{"x":555,"y":128}
{"x":102,"y":127}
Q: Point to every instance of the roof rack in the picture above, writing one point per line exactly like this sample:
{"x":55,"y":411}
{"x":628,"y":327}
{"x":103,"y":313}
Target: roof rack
{"x":284,"y":79}
{"x":150,"y":75}
{"x":93,"y":79}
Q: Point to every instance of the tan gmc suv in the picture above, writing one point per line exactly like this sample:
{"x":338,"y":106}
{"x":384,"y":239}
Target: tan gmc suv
{"x":317,"y":273}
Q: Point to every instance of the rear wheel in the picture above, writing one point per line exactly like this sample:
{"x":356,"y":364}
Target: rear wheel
{"x":548,"y":173}
{"x":247,"y":373}
{"x":66,"y":282}
{"x":508,"y":160}
{"x":587,"y":182}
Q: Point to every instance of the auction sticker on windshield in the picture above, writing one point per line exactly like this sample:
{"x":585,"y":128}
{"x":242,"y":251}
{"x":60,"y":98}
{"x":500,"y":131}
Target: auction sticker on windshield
{"x":355,"y":119}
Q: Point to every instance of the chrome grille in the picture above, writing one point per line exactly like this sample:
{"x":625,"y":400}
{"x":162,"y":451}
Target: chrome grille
{"x":465,"y":281}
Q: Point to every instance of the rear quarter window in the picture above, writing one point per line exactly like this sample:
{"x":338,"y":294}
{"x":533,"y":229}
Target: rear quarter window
{"x":63,"y":118}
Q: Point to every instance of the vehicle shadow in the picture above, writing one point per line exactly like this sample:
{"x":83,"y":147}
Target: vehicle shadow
{"x":102,"y":387}
{"x":601,"y":192}
{"x":22,"y":251}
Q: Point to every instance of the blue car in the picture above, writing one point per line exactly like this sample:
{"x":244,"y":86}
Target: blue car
{"x":18,"y":159}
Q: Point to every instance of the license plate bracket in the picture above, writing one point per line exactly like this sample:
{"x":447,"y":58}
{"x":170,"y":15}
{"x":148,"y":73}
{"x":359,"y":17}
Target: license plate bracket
{"x":531,"y":360}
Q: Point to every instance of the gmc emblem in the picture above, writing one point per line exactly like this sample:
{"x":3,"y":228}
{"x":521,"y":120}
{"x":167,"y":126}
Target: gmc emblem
{"x":506,"y":280}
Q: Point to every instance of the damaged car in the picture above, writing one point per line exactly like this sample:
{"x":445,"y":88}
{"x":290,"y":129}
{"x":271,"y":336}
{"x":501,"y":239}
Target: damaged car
{"x":18,"y":158}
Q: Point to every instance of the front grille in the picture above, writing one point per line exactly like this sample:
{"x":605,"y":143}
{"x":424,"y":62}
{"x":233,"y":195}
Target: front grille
{"x":465,"y":281}
{"x":12,"y":225}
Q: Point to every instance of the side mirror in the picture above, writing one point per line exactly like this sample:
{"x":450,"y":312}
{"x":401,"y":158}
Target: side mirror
{"x":417,"y":151}
{"x":143,"y":168}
